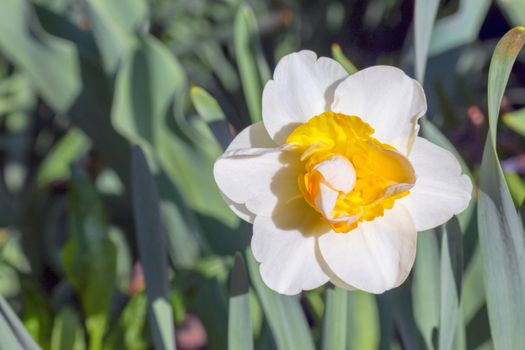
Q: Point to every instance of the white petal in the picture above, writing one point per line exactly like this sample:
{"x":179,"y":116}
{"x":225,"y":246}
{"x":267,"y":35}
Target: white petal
{"x":239,"y":209}
{"x":326,"y":200}
{"x":285,"y":246}
{"x":253,"y":136}
{"x":331,"y":275}
{"x":387,"y":99}
{"x":260,"y":178}
{"x":440,"y":190}
{"x":302,"y":87}
{"x":338,"y":172}
{"x":377,"y":255}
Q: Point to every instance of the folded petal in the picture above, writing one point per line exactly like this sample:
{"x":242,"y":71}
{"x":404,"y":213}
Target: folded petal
{"x":253,"y":136}
{"x":387,"y":99}
{"x":259,"y":178}
{"x":302,"y":87}
{"x":285,"y":246}
{"x":377,"y":255}
{"x":441,"y":190}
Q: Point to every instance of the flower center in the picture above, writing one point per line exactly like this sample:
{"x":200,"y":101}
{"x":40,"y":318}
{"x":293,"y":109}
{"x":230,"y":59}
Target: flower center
{"x":348,"y":176}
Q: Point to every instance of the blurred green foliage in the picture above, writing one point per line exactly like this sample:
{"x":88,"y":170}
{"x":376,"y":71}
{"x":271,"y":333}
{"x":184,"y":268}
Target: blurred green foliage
{"x":114,"y":235}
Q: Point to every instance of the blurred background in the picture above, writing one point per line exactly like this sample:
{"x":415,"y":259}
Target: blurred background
{"x":82,"y":81}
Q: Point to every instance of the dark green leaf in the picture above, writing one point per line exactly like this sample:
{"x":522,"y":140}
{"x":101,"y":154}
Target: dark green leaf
{"x":152,"y":250}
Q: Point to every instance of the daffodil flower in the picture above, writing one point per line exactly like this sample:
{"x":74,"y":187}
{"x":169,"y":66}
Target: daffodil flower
{"x":335,"y":179}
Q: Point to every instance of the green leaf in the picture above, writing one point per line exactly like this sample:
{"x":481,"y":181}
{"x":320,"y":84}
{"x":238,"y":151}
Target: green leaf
{"x":12,"y":332}
{"x":114,"y":28}
{"x":56,"y":165}
{"x":67,"y":331}
{"x":152,"y":252}
{"x":516,"y":187}
{"x":501,"y":232}
{"x":239,"y":322}
{"x":513,"y":9}
{"x":451,"y":270}
{"x":473,"y":290}
{"x":424,"y":15}
{"x":283,"y":313}
{"x":182,"y":255}
{"x":459,"y":28}
{"x":89,"y":256}
{"x":501,"y":64}
{"x":129,"y":333}
{"x":49,"y":62}
{"x":335,"y":319}
{"x":207,"y":106}
{"x":149,"y":86}
{"x":339,"y":56}
{"x":426,"y":286}
{"x":363,"y":322}
{"x":253,"y":69}
{"x":515,"y":120}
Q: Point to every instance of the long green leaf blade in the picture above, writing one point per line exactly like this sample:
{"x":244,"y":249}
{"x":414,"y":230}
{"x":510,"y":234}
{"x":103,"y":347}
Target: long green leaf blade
{"x":424,"y":15}
{"x":152,"y":252}
{"x":245,"y":42}
{"x":283,"y":313}
{"x":335,"y":319}
{"x":13,"y":335}
{"x":240,"y":335}
{"x":501,"y":232}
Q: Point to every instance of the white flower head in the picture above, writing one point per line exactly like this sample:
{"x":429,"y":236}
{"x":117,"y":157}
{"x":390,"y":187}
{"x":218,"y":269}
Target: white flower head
{"x":335,"y":179}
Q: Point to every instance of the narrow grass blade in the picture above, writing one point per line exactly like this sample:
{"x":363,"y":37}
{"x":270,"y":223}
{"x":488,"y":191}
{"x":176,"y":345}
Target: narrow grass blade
{"x":12,"y":332}
{"x":501,"y":233}
{"x":451,"y":272}
{"x":424,"y":15}
{"x":335,"y":327}
{"x":246,"y":44}
{"x":426,"y":286}
{"x":283,"y":313}
{"x":339,"y":56}
{"x":152,"y":250}
{"x":240,"y":335}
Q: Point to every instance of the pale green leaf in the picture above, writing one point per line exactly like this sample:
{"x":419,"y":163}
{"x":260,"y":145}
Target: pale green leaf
{"x":501,"y":233}
{"x":459,"y":28}
{"x":335,"y":327}
{"x":426,"y":286}
{"x":424,"y":15}
{"x":283,"y":313}
{"x":239,"y":321}
{"x":252,"y":66}
{"x":12,"y":332}
{"x":363,"y":329}
{"x":49,"y":62}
